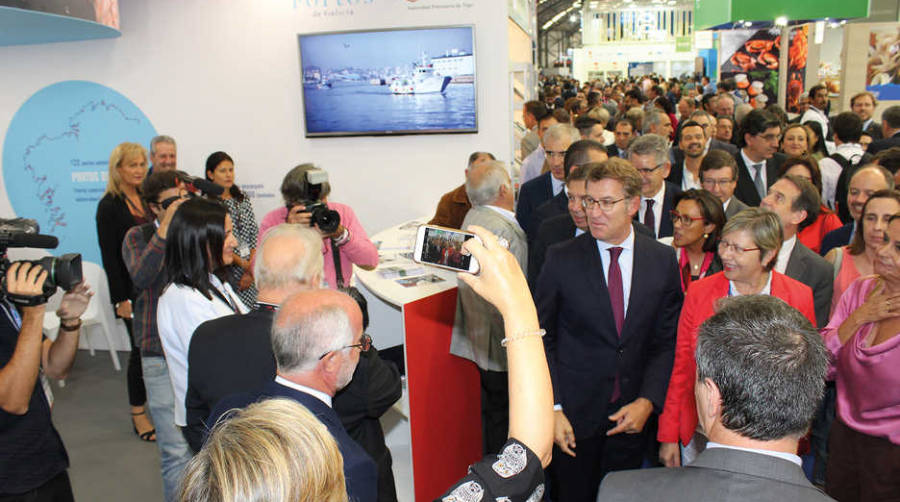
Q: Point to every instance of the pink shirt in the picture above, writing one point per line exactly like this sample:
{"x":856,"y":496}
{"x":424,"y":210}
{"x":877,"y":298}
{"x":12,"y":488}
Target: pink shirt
{"x":867,"y":377}
{"x":359,"y":250}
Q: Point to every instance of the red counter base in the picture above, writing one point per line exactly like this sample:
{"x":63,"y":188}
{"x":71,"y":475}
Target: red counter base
{"x":444,"y":398}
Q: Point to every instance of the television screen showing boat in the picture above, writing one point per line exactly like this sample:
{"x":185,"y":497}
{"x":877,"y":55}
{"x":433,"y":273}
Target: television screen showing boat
{"x":399,"y":81}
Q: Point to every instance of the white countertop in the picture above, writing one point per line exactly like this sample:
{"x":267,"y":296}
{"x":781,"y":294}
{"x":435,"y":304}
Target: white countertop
{"x":395,"y":247}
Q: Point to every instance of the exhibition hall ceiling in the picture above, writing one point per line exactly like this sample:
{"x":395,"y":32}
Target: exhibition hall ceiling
{"x":565,"y":14}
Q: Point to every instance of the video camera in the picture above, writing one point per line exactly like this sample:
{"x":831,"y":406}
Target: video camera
{"x":62,"y":271}
{"x":194,"y":186}
{"x":327,"y":219}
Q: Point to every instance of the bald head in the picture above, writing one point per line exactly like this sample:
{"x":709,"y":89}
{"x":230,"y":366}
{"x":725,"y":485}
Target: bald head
{"x":863,"y":184}
{"x":313,"y":323}
{"x":289,"y":258}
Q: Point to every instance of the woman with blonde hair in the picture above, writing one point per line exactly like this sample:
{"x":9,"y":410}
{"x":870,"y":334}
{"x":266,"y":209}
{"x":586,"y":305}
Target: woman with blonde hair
{"x":274,"y":450}
{"x":120,"y":209}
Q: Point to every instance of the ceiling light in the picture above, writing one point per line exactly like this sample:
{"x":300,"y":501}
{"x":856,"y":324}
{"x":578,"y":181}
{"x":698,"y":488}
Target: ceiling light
{"x":748,"y":24}
{"x":573,"y":18}
{"x":781,"y":21}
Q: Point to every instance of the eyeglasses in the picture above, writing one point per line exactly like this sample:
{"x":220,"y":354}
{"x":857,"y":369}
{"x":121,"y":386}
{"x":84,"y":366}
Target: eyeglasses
{"x":684,"y":219}
{"x":589,"y":203}
{"x":734,"y":248}
{"x":770,"y":137}
{"x":551,"y":153}
{"x":648,"y":171}
{"x":365,"y":343}
{"x":721,"y":182}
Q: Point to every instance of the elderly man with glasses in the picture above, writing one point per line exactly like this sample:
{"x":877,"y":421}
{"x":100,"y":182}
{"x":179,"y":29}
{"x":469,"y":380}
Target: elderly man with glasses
{"x":649,"y":155}
{"x":609,"y":358}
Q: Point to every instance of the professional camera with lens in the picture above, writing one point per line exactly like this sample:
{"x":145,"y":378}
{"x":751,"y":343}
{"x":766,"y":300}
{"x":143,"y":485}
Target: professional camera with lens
{"x":62,"y":271}
{"x":309,"y":190}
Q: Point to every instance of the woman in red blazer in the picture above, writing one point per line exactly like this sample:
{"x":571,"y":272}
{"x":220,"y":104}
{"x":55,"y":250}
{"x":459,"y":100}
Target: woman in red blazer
{"x":748,"y":249}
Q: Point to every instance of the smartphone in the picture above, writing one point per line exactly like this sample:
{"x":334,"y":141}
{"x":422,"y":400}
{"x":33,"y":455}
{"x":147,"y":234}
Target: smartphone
{"x":442,"y":247}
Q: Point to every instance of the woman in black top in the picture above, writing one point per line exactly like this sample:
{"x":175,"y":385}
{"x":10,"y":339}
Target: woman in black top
{"x":120,"y":209}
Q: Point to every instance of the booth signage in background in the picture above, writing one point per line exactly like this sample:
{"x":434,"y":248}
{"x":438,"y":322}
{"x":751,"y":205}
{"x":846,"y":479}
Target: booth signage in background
{"x":797,"y":56}
{"x":683,"y":44}
{"x":883,"y":65}
{"x":56,"y":156}
{"x":750,"y":57}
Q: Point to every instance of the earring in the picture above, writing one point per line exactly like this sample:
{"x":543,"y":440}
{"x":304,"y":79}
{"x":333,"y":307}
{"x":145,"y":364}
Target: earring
{"x":706,"y":236}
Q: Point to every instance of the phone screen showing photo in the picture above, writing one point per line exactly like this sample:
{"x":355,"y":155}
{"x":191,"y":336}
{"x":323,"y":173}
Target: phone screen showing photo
{"x":444,"y":247}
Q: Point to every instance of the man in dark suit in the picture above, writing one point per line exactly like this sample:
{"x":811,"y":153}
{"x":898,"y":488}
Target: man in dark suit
{"x":863,"y":184}
{"x":579,"y":153}
{"x":757,"y":161}
{"x":649,"y":155}
{"x":863,"y":105}
{"x":609,"y":360}
{"x":317,"y":338}
{"x":624,"y":134}
{"x":541,"y":189}
{"x":708,"y":123}
{"x":796,"y":202}
{"x":890,"y":129}
{"x":718,"y":176}
{"x":753,"y":342}
{"x":233,"y":354}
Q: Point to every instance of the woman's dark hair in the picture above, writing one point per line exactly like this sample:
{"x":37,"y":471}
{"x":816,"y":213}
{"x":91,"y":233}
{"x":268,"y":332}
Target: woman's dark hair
{"x":665,"y":104}
{"x":212,"y":162}
{"x":858,"y":244}
{"x":294,"y":188}
{"x":194,"y":244}
{"x":819,"y":145}
{"x":711,"y":209}
{"x":808,"y":162}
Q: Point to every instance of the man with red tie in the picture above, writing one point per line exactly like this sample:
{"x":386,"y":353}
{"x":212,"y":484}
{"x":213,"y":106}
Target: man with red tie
{"x":609,"y":301}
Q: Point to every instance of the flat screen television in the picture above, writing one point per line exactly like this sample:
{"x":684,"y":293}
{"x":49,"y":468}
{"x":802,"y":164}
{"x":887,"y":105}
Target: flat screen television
{"x":381,"y":82}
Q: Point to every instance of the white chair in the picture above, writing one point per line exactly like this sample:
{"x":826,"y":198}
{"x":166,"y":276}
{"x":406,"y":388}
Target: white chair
{"x":99,"y":313}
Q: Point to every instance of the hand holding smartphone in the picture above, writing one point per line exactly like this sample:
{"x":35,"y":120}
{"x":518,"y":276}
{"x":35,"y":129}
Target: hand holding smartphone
{"x":443,"y":247}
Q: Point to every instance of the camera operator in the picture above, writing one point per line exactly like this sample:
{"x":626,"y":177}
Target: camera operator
{"x":303,"y":189}
{"x":33,"y":460}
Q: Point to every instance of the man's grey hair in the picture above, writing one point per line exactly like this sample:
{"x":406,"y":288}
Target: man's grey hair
{"x":305,"y":263}
{"x":702,"y":113}
{"x":483,"y":186}
{"x":652,"y":119}
{"x":769,"y":364}
{"x":299,"y":341}
{"x":561,"y":132}
{"x":650,"y":144}
{"x":162,"y":138}
{"x":741,"y":111}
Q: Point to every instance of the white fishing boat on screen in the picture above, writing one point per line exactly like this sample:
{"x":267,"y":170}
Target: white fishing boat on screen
{"x":423,"y":80}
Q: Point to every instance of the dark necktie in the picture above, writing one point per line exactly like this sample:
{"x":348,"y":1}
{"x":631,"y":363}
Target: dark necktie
{"x":649,"y":217}
{"x":616,"y":290}
{"x":617,"y":300}
{"x":758,"y":181}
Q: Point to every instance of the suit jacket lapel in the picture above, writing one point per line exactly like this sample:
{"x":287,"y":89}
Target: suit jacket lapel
{"x":637,"y":294}
{"x":795,"y":262}
{"x":771,"y":172}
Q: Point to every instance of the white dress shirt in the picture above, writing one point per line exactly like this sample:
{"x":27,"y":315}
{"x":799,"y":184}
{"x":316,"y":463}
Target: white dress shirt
{"x":786,"y":456}
{"x":321,"y":396}
{"x":831,"y":170}
{"x":532,"y":165}
{"x":626,"y":263}
{"x":179,"y":311}
{"x":784,"y":254}
{"x":725,"y":204}
{"x":658,"y":200}
{"x":751,"y":169}
{"x":816,"y":115}
{"x":556,"y":185}
{"x":687,"y":180}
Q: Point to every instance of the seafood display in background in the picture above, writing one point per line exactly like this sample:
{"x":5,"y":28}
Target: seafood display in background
{"x":757,"y":53}
{"x":798,"y":49}
{"x":883,"y":64}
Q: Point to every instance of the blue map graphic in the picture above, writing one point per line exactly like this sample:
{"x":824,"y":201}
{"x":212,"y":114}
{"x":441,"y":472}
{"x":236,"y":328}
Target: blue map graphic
{"x":56,"y":156}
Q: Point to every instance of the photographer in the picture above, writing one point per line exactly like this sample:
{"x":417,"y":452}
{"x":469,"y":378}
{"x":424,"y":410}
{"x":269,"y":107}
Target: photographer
{"x":33,"y":460}
{"x":303,"y":189}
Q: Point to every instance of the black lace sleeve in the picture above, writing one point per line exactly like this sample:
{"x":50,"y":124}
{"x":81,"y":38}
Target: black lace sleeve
{"x":515,"y":475}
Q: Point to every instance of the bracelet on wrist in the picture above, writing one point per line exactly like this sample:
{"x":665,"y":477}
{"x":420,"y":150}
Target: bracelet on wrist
{"x":69,"y":325}
{"x":522,"y":335}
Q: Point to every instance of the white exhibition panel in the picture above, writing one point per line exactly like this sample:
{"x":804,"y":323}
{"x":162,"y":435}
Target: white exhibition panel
{"x":226,"y":76}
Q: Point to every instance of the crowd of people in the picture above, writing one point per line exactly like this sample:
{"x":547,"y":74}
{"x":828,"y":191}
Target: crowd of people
{"x":683,"y":279}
